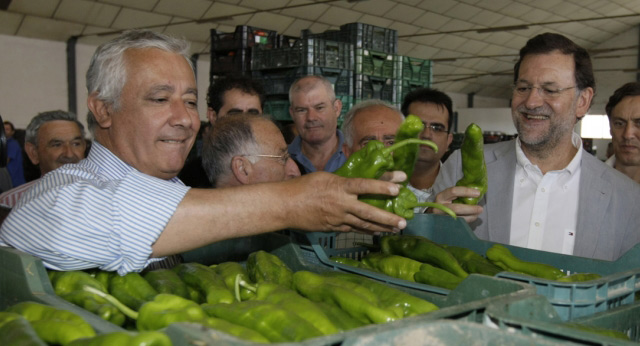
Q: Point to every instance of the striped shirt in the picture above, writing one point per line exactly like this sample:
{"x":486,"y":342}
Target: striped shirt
{"x":10,"y":198}
{"x":100,"y":212}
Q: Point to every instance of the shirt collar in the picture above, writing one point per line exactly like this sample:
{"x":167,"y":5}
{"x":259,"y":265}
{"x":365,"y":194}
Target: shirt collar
{"x":573,"y":166}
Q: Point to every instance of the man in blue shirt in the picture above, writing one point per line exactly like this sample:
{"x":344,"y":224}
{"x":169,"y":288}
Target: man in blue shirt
{"x":124,"y":207}
{"x":14,"y":154}
{"x":315,"y":111}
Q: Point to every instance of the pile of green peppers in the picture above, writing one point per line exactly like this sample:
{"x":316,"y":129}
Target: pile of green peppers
{"x":261,"y":301}
{"x":375,"y":159}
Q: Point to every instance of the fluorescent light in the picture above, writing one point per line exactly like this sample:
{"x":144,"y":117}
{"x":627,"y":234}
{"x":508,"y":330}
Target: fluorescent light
{"x":595,"y":126}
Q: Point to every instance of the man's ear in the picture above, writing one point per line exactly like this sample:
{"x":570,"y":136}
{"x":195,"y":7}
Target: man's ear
{"x":241,"y":168}
{"x":212,"y":116}
{"x":346,"y":150}
{"x":337,"y":105}
{"x":101,"y":111}
{"x":32,"y":152}
{"x":584,"y":102}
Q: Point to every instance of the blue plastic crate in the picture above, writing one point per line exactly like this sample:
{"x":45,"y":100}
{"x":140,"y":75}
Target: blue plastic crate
{"x":619,"y":282}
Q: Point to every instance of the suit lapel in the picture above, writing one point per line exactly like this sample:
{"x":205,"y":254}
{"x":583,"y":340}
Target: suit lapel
{"x":500,"y":168}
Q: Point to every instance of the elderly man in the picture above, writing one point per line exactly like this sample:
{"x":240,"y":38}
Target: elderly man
{"x":315,"y":111}
{"x":370,"y":120}
{"x":226,"y":96}
{"x":52,"y":139}
{"x":246,"y":149}
{"x":545,"y":192}
{"x":623,"y":110}
{"x":435,"y":109}
{"x":124,"y":207}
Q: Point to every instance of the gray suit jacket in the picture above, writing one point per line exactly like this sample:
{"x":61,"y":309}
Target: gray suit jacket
{"x":608,"y":210}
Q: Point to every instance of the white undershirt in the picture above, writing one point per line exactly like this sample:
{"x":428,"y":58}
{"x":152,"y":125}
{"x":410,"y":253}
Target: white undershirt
{"x":545,"y":207}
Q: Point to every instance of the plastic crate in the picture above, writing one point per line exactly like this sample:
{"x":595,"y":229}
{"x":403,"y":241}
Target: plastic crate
{"x":619,"y":282}
{"x":405,"y":87}
{"x":364,"y":36}
{"x":243,"y":37}
{"x":24,"y":278}
{"x":277,"y":109}
{"x":305,"y":52}
{"x":372,"y":63}
{"x":535,"y":316}
{"x":234,"y":63}
{"x":370,"y":87}
{"x":278,"y":82}
{"x":415,"y":70}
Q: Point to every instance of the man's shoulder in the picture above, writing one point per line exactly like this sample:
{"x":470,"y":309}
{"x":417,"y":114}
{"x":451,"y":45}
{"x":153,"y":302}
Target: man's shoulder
{"x":602,"y":174}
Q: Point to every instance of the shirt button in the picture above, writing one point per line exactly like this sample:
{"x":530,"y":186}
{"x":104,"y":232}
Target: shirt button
{"x":542,"y":189}
{"x":537,"y":224}
{"x":522,"y":180}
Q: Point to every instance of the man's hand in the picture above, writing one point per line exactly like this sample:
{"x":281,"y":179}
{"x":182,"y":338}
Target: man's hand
{"x":468,"y":212}
{"x":327,"y":202}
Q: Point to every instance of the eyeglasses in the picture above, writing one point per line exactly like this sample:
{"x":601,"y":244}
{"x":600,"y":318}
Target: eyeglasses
{"x":281,"y":158}
{"x":544,"y":91}
{"x":435,"y":127}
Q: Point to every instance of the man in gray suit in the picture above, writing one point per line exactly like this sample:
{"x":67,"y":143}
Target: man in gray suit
{"x":545,"y":192}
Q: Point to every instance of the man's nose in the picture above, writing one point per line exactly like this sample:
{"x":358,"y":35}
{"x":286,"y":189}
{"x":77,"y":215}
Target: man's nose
{"x":291,"y":169}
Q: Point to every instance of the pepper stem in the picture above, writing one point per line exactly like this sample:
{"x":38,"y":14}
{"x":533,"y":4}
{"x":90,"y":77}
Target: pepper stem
{"x":408,"y":141}
{"x":437,"y":206}
{"x":240,"y":282}
{"x":113,"y":300}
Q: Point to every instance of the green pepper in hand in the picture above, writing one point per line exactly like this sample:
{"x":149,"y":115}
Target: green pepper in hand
{"x":474,"y":168}
{"x":403,"y":204}
{"x":404,"y":158}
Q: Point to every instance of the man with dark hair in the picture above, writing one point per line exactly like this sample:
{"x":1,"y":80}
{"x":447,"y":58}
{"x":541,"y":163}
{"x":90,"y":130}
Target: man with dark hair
{"x":623,"y":110}
{"x":123,"y":207}
{"x":14,"y":156}
{"x":545,"y":192}
{"x":226,"y":96}
{"x":435,"y":108}
{"x":246,"y":149}
{"x":52,"y":139}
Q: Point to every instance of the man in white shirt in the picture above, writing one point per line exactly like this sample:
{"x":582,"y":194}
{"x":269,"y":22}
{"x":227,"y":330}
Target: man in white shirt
{"x":545,"y":192}
{"x":623,"y":110}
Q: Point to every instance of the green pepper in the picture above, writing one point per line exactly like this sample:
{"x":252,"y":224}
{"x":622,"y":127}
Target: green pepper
{"x":165,"y":309}
{"x":339,"y":316}
{"x":402,"y":204}
{"x":299,"y":305}
{"x":206,"y":281}
{"x":600,"y":331}
{"x":16,"y":330}
{"x":53,"y":325}
{"x":473,"y":262}
{"x":356,"y":300}
{"x":230,"y":271}
{"x":375,"y":159}
{"x":434,"y":276}
{"x":167,"y":281}
{"x":404,"y":158}
{"x":350,"y":262}
{"x":474,"y":168}
{"x":69,"y":286}
{"x":389,"y":296}
{"x":502,"y":257}
{"x":131,"y":289}
{"x":275,"y":323}
{"x":152,"y":338}
{"x":393,"y":265}
{"x":423,"y":250}
{"x":236,"y":330}
{"x":265,"y":267}
{"x":580,"y":277}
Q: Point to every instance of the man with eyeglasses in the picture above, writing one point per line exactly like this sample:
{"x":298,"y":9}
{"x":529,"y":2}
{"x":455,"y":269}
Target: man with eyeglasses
{"x":623,"y":110}
{"x":225,"y":96}
{"x":435,"y":108}
{"x":246,"y":149}
{"x":545,"y":192}
{"x":315,"y":109}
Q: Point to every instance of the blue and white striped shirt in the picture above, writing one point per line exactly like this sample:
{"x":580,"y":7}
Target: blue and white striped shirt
{"x":100,"y":212}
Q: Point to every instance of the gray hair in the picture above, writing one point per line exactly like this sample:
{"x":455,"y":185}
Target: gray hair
{"x":107,"y":73}
{"x":31,"y":133}
{"x":347,"y":122}
{"x":231,"y":136}
{"x":299,"y":87}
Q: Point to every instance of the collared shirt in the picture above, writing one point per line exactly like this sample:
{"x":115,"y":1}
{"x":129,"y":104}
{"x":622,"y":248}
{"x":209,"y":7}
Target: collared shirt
{"x":545,"y":206}
{"x":336,"y":161}
{"x":100,"y":212}
{"x":10,"y":198}
{"x":422,"y":195}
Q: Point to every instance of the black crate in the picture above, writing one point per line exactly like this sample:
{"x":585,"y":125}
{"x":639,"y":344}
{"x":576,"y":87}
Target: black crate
{"x":235,"y":63}
{"x":364,"y":36}
{"x":304,"y":52}
{"x":406,"y":86}
{"x":244,"y":37}
{"x":370,"y":87}
{"x":278,"y":82}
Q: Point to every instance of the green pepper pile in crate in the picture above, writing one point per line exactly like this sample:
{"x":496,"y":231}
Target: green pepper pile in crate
{"x":261,"y":300}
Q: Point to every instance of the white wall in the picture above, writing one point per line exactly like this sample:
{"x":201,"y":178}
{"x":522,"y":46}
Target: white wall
{"x":489,"y":119}
{"x":33,"y":78}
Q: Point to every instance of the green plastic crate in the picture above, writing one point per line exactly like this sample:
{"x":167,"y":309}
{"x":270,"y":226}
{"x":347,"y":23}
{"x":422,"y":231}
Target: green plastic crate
{"x":535,"y":316}
{"x":378,"y":64}
{"x":24,"y":278}
{"x":620,"y":279}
